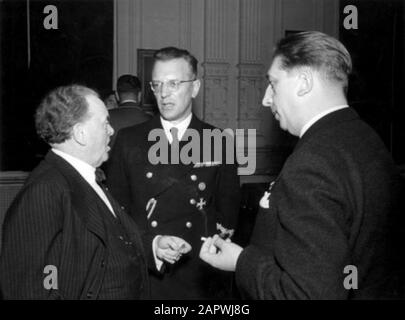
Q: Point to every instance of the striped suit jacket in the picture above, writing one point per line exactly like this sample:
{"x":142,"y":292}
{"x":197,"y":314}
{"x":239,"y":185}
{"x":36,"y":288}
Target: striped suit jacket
{"x":55,"y":223}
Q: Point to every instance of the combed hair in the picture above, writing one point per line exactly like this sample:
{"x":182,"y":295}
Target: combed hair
{"x":317,"y":50}
{"x":170,"y":53}
{"x":60,"y":110}
{"x":128,"y":83}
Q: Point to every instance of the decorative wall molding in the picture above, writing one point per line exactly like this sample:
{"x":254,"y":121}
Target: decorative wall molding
{"x":216,"y":30}
{"x":251,"y":88}
{"x":233,"y":41}
{"x":216,"y":69}
{"x":250,"y":97}
{"x":250,"y":31}
{"x":13,"y":178}
{"x":216,"y":82}
{"x":185,"y":24}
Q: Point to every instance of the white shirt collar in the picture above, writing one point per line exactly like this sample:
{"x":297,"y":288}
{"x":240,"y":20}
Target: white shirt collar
{"x":319,"y":116}
{"x":182,"y":127}
{"x":87,"y":171}
{"x":128,"y":100}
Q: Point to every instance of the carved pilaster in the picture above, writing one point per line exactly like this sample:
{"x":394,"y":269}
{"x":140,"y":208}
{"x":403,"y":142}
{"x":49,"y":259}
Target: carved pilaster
{"x":216,"y":93}
{"x":251,"y":88}
{"x":185,"y":23}
{"x":250,"y":31}
{"x":251,"y":68}
{"x":216,"y":30}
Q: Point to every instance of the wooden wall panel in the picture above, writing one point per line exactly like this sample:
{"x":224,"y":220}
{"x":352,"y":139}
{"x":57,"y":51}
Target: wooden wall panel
{"x":233,"y":41}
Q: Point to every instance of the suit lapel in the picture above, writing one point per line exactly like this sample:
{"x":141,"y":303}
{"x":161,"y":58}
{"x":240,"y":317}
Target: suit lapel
{"x":171,"y":173}
{"x":85,"y":200}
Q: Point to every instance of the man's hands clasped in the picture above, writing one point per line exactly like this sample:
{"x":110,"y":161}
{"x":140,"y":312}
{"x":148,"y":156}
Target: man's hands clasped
{"x":171,"y":248}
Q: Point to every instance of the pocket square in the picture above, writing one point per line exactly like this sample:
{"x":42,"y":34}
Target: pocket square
{"x":264,"y":201}
{"x":207,"y":164}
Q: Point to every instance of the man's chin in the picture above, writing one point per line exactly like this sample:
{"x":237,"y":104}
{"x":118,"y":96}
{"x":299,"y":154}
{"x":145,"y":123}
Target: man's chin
{"x":168,"y":116}
{"x":103,"y":159}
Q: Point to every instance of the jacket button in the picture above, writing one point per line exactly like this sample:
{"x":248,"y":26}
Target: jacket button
{"x":192,"y":201}
{"x":149,"y":175}
{"x":154,"y":224}
{"x":202,"y":186}
{"x":189,"y":224}
{"x":193,"y":177}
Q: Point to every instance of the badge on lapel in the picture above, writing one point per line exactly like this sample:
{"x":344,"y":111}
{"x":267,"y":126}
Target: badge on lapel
{"x":206,"y":164}
{"x":224,"y":233}
{"x":265,"y":200}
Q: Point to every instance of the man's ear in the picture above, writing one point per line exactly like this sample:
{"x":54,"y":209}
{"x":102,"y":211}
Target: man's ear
{"x":305,"y":82}
{"x":196,"y":87}
{"x":79,"y":133}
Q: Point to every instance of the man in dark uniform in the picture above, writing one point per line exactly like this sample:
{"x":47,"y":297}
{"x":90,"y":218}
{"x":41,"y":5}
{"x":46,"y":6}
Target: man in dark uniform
{"x":65,"y":237}
{"x":191,"y":200}
{"x":327,"y":225}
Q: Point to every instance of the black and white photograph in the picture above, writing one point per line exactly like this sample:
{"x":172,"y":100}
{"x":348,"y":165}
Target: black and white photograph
{"x":221,"y":151}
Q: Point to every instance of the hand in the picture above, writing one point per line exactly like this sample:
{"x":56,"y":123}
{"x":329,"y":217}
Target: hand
{"x":171,"y":248}
{"x":219,"y":253}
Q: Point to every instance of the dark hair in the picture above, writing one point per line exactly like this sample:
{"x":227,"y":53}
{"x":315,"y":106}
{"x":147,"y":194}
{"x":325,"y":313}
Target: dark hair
{"x":60,"y":110}
{"x":316,"y":50}
{"x":170,"y":53}
{"x":128,"y":83}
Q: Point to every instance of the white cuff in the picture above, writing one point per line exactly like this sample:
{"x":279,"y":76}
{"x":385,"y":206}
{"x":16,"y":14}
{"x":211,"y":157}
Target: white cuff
{"x":158,"y":262}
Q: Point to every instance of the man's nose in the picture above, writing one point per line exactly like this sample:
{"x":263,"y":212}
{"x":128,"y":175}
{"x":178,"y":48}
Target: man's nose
{"x":164,"y":90}
{"x":268,"y":97}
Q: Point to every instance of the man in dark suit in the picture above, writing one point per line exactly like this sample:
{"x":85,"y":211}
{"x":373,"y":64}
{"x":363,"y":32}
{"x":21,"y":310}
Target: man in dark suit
{"x":325,"y":226}
{"x":129,"y":111}
{"x":189,"y":200}
{"x":65,"y":237}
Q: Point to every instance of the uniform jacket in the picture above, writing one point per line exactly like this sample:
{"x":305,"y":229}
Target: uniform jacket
{"x":330,"y":209}
{"x":56,"y":220}
{"x":186,"y":201}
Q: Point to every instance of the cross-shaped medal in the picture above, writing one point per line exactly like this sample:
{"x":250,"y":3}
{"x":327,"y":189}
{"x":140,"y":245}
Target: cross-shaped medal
{"x":200,"y":205}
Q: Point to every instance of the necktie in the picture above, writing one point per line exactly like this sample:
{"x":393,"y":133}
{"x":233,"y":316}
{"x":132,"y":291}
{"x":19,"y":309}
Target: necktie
{"x":174,"y":146}
{"x":100,"y":177}
{"x":175,"y":135}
